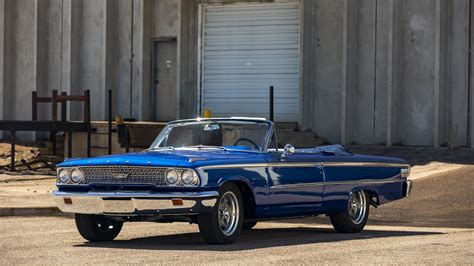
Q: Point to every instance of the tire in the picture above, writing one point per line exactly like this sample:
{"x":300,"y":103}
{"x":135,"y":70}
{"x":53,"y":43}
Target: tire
{"x":248,"y":225}
{"x":228,"y":228}
{"x":97,"y":228}
{"x":354,"y":218}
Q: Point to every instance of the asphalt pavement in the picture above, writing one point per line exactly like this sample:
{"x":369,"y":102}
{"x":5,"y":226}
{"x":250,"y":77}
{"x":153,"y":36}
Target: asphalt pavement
{"x":45,"y":240}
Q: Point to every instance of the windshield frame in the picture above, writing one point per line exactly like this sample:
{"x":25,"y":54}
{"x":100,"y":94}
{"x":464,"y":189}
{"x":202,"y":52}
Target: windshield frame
{"x":170,"y":125}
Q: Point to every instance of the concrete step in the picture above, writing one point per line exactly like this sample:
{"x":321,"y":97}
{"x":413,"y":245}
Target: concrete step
{"x":47,"y":151}
{"x":295,"y":134}
{"x":299,"y":139}
{"x":288,"y":126}
{"x":308,"y":143}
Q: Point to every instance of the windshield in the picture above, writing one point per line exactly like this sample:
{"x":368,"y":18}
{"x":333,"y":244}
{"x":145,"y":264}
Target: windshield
{"x":242,"y":135}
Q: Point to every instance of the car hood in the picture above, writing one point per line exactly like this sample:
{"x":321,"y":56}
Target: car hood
{"x":170,"y":158}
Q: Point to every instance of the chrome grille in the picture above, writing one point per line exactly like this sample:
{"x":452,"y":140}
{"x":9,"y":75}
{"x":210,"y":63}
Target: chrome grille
{"x":135,"y":175}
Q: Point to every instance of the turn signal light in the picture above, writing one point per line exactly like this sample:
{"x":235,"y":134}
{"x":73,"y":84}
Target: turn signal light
{"x":177,"y":202}
{"x":67,"y":201}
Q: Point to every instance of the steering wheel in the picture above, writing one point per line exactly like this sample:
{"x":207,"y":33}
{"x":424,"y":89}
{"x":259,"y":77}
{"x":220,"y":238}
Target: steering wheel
{"x":249,"y":141}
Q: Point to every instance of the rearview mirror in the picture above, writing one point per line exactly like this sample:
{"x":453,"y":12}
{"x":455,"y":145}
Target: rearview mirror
{"x":287,"y":150}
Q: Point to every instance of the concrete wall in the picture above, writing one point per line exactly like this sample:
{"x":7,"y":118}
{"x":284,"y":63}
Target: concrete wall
{"x":374,"y":71}
{"x":71,"y":46}
{"x":402,"y":79}
{"x":393,"y":72}
{"x":166,"y":19}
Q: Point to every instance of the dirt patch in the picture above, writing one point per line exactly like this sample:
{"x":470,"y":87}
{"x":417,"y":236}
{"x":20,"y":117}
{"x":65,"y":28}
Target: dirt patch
{"x":28,"y":160}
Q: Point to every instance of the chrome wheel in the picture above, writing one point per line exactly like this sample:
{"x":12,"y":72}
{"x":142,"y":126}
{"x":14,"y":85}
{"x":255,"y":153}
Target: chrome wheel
{"x":228,"y":213}
{"x":357,"y":206}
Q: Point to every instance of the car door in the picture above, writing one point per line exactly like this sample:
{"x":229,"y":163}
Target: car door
{"x":295,"y":185}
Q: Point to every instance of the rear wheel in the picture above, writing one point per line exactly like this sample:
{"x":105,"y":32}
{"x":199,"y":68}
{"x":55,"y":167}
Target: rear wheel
{"x":354,"y":218}
{"x":223,"y":224}
{"x":97,"y":227}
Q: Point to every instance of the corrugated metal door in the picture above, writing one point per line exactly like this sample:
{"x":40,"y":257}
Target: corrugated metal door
{"x":245,"y":49}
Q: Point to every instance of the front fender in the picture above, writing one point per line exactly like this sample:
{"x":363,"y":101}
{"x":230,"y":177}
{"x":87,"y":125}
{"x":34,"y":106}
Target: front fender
{"x":255,"y":178}
{"x":238,"y":178}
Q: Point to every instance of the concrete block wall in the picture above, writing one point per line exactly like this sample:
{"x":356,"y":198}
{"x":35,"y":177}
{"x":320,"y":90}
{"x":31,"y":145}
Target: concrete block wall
{"x":383,"y":72}
{"x":394,"y":72}
{"x":70,"y":46}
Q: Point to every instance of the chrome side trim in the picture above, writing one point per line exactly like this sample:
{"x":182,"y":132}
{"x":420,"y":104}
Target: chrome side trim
{"x":335,"y":183}
{"x":365,"y":181}
{"x":292,"y":164}
{"x":366,"y":164}
{"x":304,"y":164}
{"x":301,"y":185}
{"x":226,"y":166}
{"x":254,"y":165}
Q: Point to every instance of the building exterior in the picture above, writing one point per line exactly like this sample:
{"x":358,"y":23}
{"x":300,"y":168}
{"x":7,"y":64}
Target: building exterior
{"x":383,"y":72}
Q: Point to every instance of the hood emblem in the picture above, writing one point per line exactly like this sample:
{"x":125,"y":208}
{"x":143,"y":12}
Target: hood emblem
{"x":120,"y":175}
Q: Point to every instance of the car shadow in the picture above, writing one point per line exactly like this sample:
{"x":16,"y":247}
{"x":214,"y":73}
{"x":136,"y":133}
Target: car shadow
{"x":250,"y":239}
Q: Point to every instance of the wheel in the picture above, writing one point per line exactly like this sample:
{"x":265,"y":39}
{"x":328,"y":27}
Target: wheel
{"x":354,"y":218}
{"x":97,"y":228}
{"x":223,"y":224}
{"x":248,"y":225}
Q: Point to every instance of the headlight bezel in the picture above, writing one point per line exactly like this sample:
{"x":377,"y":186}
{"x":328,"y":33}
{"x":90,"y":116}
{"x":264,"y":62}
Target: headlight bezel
{"x":194,"y":178}
{"x":71,"y":174}
{"x":68,"y":175}
{"x":169,"y":171}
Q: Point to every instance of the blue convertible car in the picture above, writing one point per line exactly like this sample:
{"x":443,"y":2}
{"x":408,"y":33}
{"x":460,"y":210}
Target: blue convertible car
{"x":225,"y":175}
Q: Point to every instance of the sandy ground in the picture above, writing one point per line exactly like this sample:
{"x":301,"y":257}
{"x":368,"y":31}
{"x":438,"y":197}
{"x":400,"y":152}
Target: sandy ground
{"x":26,"y":191}
{"x":54,"y":240}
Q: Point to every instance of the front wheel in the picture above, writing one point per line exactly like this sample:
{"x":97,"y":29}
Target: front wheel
{"x":223,"y":224}
{"x":97,"y":227}
{"x":354,"y":218}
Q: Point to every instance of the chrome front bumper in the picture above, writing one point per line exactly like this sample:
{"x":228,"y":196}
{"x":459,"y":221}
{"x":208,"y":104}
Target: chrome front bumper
{"x":121,"y":203}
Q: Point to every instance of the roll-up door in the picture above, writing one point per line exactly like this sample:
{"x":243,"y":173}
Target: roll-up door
{"x":245,"y":48}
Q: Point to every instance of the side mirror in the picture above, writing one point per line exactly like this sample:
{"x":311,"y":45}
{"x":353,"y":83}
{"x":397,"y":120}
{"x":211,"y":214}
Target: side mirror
{"x":287,"y":150}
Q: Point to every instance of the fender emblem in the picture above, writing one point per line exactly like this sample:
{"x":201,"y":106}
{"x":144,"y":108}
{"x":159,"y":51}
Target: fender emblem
{"x":120,"y":175}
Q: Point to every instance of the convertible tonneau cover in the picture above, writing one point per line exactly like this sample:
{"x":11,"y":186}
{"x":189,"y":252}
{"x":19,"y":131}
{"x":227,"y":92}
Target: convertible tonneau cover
{"x":329,"y":149}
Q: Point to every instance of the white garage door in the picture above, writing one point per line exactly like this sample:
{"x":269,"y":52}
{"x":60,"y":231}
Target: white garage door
{"x":245,"y":49}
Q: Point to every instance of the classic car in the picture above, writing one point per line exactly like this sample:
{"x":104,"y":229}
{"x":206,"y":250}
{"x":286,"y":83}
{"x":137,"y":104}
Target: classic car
{"x":225,"y":175}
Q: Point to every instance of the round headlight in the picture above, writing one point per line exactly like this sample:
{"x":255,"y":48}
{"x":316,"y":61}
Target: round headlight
{"x":77,"y":176}
{"x":172,"y":177}
{"x":63,"y":175}
{"x":189,"y":178}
